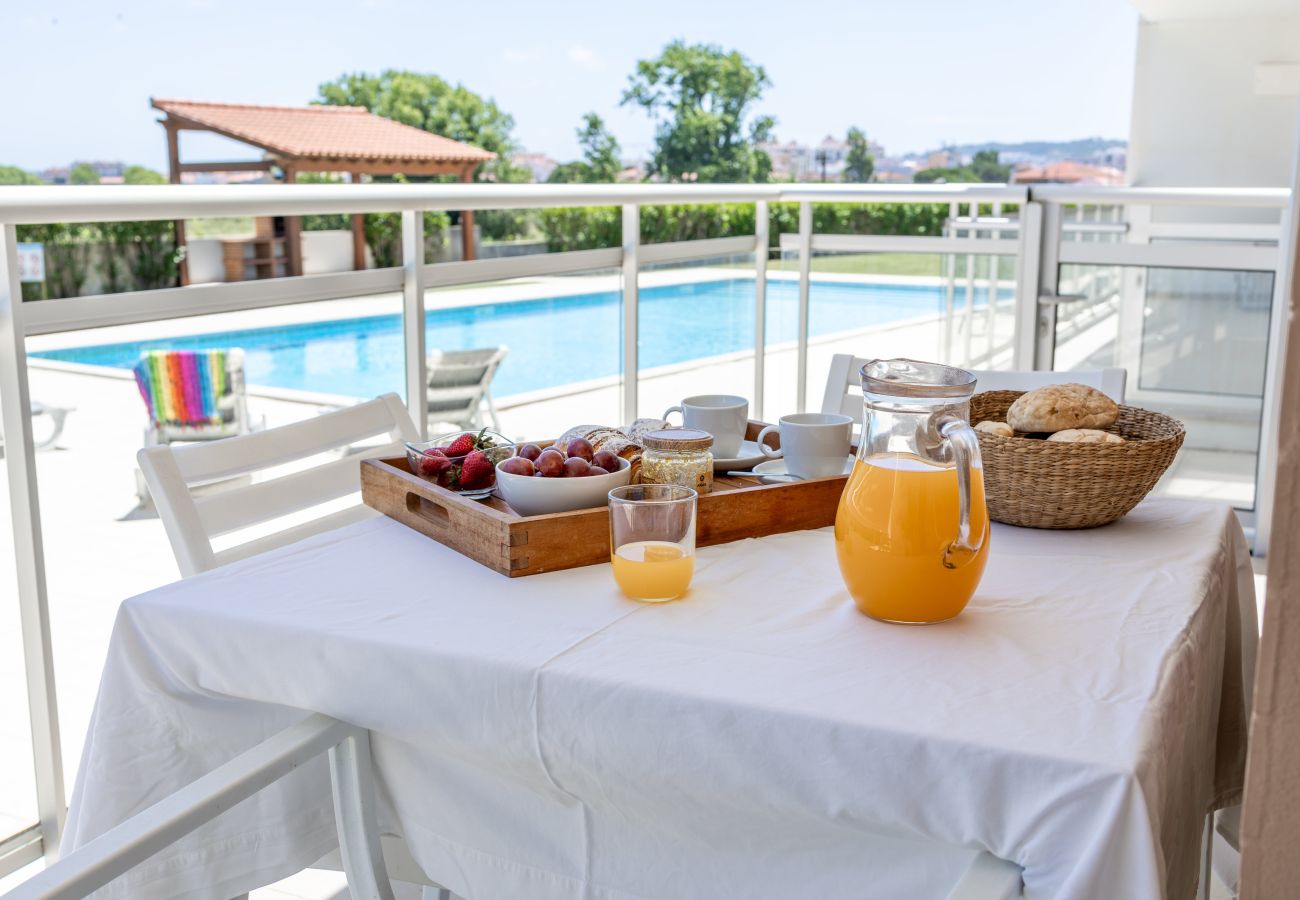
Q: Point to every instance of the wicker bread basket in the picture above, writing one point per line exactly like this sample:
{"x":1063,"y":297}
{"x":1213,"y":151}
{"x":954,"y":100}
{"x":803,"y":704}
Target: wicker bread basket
{"x":1036,"y":483}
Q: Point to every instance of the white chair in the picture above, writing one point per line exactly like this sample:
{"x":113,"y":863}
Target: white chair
{"x":460,"y":383}
{"x":191,"y":522}
{"x":843,"y":383}
{"x":56,"y":414}
{"x":174,"y":472}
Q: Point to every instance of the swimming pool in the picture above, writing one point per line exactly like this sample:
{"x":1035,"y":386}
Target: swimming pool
{"x":552,"y":340}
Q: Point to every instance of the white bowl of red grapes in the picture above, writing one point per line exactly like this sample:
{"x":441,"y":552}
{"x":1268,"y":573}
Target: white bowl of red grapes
{"x":537,"y":481}
{"x":463,"y":461}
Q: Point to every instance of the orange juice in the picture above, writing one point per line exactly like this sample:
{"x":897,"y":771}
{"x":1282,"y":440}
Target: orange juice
{"x":896,"y":518}
{"x":653,"y":570}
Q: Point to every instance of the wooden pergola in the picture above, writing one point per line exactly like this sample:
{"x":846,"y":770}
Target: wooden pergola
{"x":300,"y":139}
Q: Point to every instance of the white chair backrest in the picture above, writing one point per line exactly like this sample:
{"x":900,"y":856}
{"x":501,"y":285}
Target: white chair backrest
{"x":192,"y":519}
{"x":842,"y":383}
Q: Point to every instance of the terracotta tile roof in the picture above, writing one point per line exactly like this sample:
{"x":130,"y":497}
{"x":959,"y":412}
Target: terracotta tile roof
{"x":1068,"y":172}
{"x":323,"y":132}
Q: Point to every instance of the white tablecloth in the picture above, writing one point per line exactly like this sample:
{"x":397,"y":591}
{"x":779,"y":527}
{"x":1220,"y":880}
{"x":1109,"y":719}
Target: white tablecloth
{"x":543,"y":737}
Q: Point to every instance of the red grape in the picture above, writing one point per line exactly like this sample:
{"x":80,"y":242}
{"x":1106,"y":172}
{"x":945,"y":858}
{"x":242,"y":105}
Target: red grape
{"x":597,"y":470}
{"x":606,"y":460}
{"x":581,"y":448}
{"x":550,"y":463}
{"x":518,"y":465}
{"x":530,"y":452}
{"x":576,"y":467}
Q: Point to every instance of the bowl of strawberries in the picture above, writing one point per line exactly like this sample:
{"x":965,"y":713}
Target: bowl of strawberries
{"x":463,"y":461}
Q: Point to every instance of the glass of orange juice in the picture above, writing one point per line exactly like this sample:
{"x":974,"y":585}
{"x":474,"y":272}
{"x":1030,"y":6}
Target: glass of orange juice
{"x":652,"y":540}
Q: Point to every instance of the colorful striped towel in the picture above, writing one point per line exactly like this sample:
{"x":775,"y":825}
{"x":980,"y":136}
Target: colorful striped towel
{"x":184,"y":387}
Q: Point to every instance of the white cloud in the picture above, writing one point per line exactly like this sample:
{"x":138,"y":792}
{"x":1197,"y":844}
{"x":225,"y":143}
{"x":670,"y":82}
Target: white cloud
{"x":584,"y":58}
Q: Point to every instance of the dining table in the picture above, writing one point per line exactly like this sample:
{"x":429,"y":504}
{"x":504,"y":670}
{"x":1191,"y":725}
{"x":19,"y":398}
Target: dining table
{"x":545,"y":738}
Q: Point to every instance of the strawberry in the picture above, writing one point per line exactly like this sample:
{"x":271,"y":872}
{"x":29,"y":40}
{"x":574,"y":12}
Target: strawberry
{"x":476,"y":472}
{"x":434,"y":462}
{"x":460,"y":446}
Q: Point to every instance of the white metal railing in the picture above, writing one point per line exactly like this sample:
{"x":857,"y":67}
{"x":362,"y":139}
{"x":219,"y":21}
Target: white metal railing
{"x":1042,"y":227}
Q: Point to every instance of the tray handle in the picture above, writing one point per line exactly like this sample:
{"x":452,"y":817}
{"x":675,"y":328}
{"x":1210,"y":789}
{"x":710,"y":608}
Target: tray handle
{"x":429,"y":509}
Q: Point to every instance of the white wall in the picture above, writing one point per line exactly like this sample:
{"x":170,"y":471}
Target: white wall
{"x":204,"y":259}
{"x":322,"y":251}
{"x":328,"y":251}
{"x":1198,"y":118}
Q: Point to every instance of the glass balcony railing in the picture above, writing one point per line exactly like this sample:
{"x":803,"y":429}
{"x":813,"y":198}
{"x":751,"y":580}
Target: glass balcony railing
{"x":631,"y":297}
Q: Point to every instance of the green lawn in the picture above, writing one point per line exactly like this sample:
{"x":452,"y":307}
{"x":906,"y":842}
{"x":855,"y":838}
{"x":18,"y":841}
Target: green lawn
{"x":923,"y":264}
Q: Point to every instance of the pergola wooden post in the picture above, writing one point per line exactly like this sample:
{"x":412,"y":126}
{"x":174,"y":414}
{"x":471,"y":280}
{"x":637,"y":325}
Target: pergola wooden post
{"x":292,"y":227}
{"x":174,"y":176}
{"x":319,"y":139}
{"x":467,"y":221}
{"x":358,"y":232}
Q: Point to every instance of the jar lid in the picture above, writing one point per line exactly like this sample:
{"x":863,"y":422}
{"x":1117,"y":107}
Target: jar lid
{"x":677,"y":439}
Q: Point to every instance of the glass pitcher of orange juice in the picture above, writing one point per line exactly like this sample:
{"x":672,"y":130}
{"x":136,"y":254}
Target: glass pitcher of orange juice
{"x":912,"y":530}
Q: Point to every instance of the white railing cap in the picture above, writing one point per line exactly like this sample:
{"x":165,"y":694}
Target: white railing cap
{"x":107,"y":203}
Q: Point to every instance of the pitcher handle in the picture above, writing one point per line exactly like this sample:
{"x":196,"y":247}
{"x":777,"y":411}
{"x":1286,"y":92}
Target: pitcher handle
{"x":966,"y":452}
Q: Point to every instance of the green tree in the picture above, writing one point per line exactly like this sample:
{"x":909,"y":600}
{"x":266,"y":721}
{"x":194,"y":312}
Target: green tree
{"x":83,"y":173}
{"x":701,"y":99}
{"x":859,"y":164}
{"x":141,"y":175}
{"x":599,"y":163}
{"x":12,"y":175}
{"x":433,"y":104}
{"x":986,"y":167}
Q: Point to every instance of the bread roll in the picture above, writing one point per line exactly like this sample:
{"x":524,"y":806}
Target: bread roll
{"x":1001,"y":429}
{"x":1085,"y":436}
{"x":1058,"y":407}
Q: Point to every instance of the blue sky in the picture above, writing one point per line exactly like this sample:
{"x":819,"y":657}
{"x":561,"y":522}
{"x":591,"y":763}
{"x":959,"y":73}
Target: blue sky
{"x":78,"y":75}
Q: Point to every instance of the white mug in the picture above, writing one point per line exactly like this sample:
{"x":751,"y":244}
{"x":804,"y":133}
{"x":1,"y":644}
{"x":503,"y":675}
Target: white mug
{"x":814,"y":445}
{"x":724,"y":416}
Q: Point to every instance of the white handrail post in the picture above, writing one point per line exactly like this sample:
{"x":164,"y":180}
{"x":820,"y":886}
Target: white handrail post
{"x":760,"y":303}
{"x":1266,"y":464}
{"x":413,"y":328}
{"x":805,"y":288}
{"x":29,"y":552}
{"x":952,"y":228}
{"x":631,"y":245}
{"x":1028,"y":267}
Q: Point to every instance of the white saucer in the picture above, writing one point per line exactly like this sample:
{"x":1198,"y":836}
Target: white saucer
{"x":776,"y":468}
{"x":750,"y":454}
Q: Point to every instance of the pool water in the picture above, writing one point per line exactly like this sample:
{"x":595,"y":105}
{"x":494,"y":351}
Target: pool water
{"x":553,"y":340}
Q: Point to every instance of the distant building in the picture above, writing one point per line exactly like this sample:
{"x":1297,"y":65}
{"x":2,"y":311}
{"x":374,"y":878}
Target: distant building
{"x":942,"y":159}
{"x":792,"y":161}
{"x":1068,"y":172}
{"x":633,"y":173}
{"x":110,"y":172}
{"x":1113,"y":157}
{"x":539,"y":164}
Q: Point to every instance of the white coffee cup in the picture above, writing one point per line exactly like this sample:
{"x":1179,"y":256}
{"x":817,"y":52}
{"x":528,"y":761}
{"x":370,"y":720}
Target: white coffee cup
{"x":722,"y":415}
{"x":814,"y":445}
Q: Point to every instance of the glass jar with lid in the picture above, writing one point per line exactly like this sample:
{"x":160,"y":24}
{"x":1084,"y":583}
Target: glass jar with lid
{"x":678,"y":456}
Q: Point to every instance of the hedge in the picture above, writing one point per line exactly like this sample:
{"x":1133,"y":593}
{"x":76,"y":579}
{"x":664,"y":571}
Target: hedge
{"x":587,"y":228}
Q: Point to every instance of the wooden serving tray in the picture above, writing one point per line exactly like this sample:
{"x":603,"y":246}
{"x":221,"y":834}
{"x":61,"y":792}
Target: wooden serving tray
{"x":490,"y":532}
